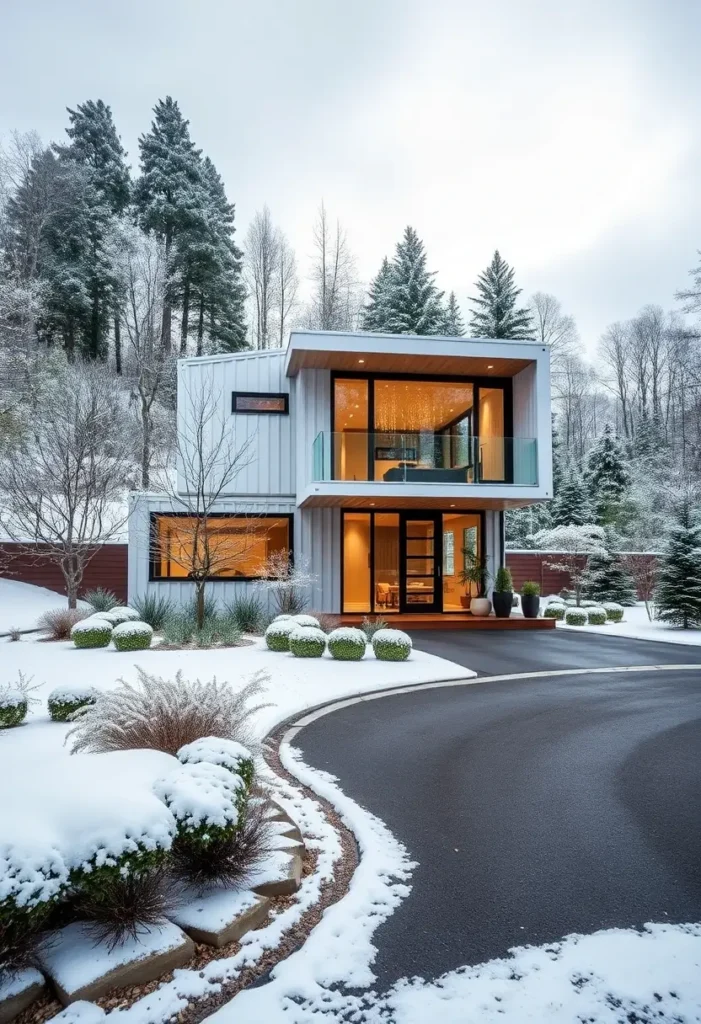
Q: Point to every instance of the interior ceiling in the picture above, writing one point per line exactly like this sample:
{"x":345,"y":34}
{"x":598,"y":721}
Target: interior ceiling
{"x":401,"y":405}
{"x":379,"y":501}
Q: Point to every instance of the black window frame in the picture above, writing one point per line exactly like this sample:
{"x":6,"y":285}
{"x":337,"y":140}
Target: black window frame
{"x":284,"y":395}
{"x":153,"y":536}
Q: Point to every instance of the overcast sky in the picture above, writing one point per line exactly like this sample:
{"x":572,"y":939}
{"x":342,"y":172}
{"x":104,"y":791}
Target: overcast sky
{"x":566,"y":133}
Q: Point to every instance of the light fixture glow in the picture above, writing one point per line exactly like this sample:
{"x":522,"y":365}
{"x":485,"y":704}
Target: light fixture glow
{"x":361,"y":360}
{"x":490,"y":366}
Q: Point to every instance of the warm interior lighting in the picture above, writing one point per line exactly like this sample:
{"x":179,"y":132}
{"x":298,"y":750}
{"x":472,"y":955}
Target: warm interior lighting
{"x":361,"y":360}
{"x":490,"y":366}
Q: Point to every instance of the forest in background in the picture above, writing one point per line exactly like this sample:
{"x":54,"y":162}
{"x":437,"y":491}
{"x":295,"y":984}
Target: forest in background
{"x":121,"y":269}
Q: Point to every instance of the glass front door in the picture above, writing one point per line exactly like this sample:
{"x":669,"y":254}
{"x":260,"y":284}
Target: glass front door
{"x":420,"y":579}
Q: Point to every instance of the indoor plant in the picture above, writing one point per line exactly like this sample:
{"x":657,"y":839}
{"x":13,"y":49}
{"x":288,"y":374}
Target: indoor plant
{"x":475,"y":571}
{"x":530,"y":599}
{"x":503,"y":593}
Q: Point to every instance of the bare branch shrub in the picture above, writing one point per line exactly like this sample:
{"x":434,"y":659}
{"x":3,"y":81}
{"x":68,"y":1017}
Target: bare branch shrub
{"x":124,"y":906}
{"x":165,"y":714}
{"x":57,"y":623}
{"x":228,"y":859}
{"x":287,"y":582}
{"x":643,"y":569}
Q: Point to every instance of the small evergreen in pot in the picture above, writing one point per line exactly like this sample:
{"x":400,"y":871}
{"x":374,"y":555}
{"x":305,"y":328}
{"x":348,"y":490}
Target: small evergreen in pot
{"x":475,"y":571}
{"x":530,"y":599}
{"x":503,"y":593}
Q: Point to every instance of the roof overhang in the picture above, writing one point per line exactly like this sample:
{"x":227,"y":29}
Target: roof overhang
{"x":343,"y":494}
{"x":401,"y":353}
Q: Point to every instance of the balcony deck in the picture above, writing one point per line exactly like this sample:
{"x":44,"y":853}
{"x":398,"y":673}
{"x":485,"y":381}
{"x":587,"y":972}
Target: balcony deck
{"x":410,"y":621}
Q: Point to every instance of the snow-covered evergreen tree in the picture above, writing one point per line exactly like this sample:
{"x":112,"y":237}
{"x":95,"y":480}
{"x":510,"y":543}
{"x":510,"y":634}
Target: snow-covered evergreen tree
{"x":572,"y":506}
{"x":607,"y":475}
{"x":557,"y":456}
{"x":496,"y":314}
{"x":373,"y":316}
{"x":413,"y":303}
{"x":608,"y":580}
{"x":678,"y":591}
{"x":522,"y":524}
{"x":453,"y":325}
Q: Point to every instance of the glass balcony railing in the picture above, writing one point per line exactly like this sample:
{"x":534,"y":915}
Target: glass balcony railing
{"x":425,"y":458}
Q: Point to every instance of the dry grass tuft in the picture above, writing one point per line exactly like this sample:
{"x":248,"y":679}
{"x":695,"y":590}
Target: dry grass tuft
{"x":165,"y":714}
{"x":59,"y":622}
{"x":229,"y":860}
{"x":124,"y":906}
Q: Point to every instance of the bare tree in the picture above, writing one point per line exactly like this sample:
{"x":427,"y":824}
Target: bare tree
{"x":286,"y":288}
{"x":643,"y":569}
{"x":261,"y":259}
{"x":64,"y":479}
{"x":336,"y":300}
{"x":552,"y":327}
{"x":209,"y":460}
{"x":574,"y":545}
{"x":615,"y":355}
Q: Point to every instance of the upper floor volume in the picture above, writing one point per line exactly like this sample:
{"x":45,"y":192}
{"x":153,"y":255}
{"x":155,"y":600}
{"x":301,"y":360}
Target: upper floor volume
{"x":350,"y":419}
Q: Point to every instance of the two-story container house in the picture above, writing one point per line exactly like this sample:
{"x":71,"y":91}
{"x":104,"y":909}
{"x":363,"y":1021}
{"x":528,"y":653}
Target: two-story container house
{"x":377,"y":459}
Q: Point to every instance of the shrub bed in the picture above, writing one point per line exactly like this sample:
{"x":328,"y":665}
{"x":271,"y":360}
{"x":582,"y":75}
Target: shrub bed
{"x":120,"y":614}
{"x":92,"y":632}
{"x":132,"y":636}
{"x":277,"y":635}
{"x":13,"y":707}
{"x":64,"y":700}
{"x":391,"y":645}
{"x":576,"y":617}
{"x":307,"y":641}
{"x":228,"y":754}
{"x":596,"y":616}
{"x":614,"y":611}
{"x":306,"y":620}
{"x":347,"y":644}
{"x":554,"y":611}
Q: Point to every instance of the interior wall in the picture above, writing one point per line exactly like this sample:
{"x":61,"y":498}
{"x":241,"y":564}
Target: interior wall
{"x":454,"y":527}
{"x":356,"y":562}
{"x":491,"y":428}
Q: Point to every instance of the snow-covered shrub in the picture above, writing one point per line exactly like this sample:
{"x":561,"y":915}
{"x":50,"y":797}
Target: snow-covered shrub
{"x":614,"y":611}
{"x":101,"y":599}
{"x":306,"y":620}
{"x":13,"y":707}
{"x":32,"y":881}
{"x":58,"y":623}
{"x":371,"y":626}
{"x":64,"y":700}
{"x":307,"y":642}
{"x":554,"y":611}
{"x":121,"y":614}
{"x":92,"y":632}
{"x":347,"y":644}
{"x":207,"y":801}
{"x":282,"y":618}
{"x":180,"y":629}
{"x":226,"y":753}
{"x":391,"y":645}
{"x":165,"y":714}
{"x":576,"y":617}
{"x":124,"y":905}
{"x":596,"y":616}
{"x":132,"y":636}
{"x":277,"y":635}
{"x":588,"y":604}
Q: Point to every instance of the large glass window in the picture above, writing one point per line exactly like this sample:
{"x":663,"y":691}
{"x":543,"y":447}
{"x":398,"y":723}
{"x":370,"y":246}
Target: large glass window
{"x":356,"y":561}
{"x":386,"y":561}
{"x":350,"y":439}
{"x":461,"y":533}
{"x":226,"y":547}
{"x":491,"y":440}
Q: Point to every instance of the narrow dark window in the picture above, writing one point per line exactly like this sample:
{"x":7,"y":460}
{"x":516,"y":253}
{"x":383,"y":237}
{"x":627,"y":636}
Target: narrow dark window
{"x":260,"y":402}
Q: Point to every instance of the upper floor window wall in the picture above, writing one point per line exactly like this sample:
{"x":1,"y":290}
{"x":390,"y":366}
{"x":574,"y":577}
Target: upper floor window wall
{"x":421,"y":430}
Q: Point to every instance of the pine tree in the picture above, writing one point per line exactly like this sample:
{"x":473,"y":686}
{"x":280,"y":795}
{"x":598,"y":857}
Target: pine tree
{"x":170,"y":196}
{"x":497,"y":315}
{"x":607,"y":475}
{"x":453,"y":325}
{"x":413,"y":304}
{"x":522,"y":524}
{"x":608,"y":580}
{"x":678,"y":591}
{"x":373,"y":316}
{"x":557,"y":456}
{"x":572,"y":505}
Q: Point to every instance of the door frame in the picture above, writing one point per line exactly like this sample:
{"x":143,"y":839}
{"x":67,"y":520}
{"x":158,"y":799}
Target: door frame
{"x":419,"y":515}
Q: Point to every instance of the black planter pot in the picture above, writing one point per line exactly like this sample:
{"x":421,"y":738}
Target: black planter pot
{"x":503,"y":603}
{"x":530,"y":605}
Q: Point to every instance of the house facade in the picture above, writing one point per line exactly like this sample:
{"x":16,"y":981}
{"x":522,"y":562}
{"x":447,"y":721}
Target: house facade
{"x":376,"y":460}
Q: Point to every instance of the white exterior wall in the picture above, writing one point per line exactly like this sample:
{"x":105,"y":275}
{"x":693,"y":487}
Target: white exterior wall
{"x":531,"y":415}
{"x":313,"y":414}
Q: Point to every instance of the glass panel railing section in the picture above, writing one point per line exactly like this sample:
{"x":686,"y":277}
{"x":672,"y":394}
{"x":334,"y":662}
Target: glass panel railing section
{"x":433,"y":457}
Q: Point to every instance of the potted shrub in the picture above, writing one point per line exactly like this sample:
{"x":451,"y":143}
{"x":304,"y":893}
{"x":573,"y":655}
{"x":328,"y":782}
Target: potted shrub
{"x":503,"y":593}
{"x":474,"y":570}
{"x":530,"y":599}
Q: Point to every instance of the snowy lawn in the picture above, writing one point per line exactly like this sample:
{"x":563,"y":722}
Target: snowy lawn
{"x":21,"y":604}
{"x":637,"y":626}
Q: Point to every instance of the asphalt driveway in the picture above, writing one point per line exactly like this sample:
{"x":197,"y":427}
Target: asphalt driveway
{"x":535,"y":808}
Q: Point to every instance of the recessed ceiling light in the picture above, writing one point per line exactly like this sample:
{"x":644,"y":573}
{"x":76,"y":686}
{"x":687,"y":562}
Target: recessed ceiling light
{"x":490,"y":366}
{"x":452,"y":506}
{"x":361,"y":360}
{"x":372,"y":502}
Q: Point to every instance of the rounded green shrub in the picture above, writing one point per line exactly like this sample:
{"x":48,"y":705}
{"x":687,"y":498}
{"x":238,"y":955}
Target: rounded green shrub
{"x":596,"y":616}
{"x":207,"y":801}
{"x":64,"y":700}
{"x":277,"y":635}
{"x":576,"y":617}
{"x":282,"y":618}
{"x":92,"y":632}
{"x":132,"y":636}
{"x":120,"y":614}
{"x":13,"y":707}
{"x":554,"y":611}
{"x":614,"y":611}
{"x":307,"y":642}
{"x":391,"y":645}
{"x":307,"y":620}
{"x":588,"y":604}
{"x":228,"y":754}
{"x":347,"y":644}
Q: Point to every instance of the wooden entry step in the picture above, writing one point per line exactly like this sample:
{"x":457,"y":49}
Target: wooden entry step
{"x":448,"y":620}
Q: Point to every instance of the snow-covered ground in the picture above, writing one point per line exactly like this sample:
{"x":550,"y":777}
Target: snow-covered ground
{"x":21,"y":604}
{"x":637,"y":626}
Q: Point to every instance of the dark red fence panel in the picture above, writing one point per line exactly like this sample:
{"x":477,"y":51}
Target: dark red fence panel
{"x":107,"y":568}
